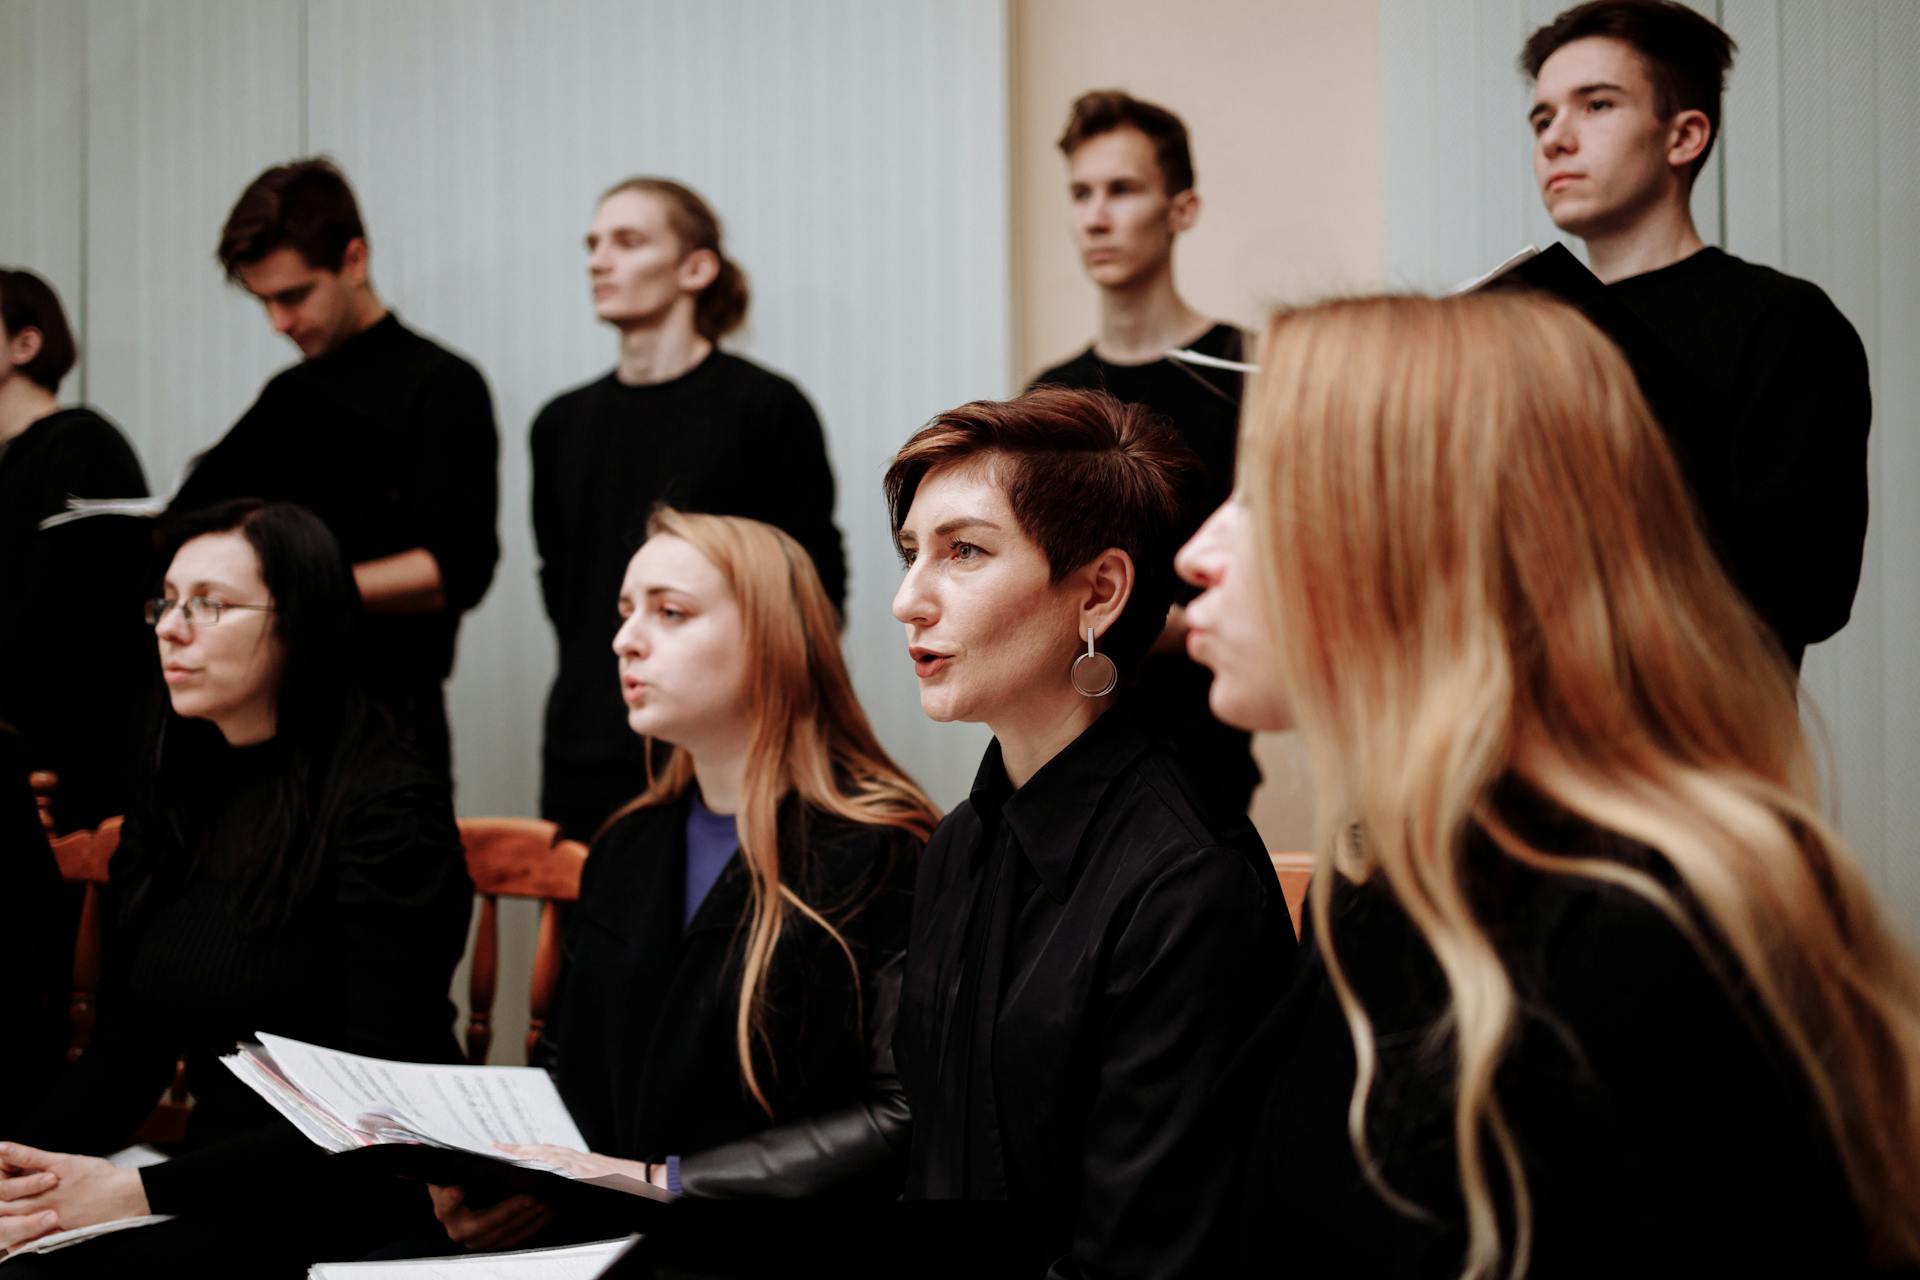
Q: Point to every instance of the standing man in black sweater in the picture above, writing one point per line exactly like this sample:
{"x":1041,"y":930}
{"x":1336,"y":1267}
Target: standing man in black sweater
{"x":677,"y":421}
{"x":1130,"y":177}
{"x":1626,"y":108}
{"x":384,"y":434}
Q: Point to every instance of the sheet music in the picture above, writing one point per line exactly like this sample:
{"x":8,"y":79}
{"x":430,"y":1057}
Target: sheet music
{"x":1481,"y":281}
{"x":472,"y":1108}
{"x":575,"y":1262}
{"x":61,"y":1239}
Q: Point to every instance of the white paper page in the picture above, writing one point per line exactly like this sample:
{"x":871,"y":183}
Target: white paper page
{"x":472,"y":1108}
{"x":576,"y":1262}
{"x":319,"y":1129}
{"x":61,"y":1239}
{"x":1468,"y":286}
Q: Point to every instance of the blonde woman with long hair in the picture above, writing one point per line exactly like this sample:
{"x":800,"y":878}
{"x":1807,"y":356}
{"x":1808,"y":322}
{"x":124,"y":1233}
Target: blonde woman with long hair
{"x":732,"y":967}
{"x":1590,"y":985}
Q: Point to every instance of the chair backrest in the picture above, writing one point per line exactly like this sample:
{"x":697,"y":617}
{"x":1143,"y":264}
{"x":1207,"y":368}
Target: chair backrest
{"x":516,"y":858}
{"x":1294,"y":870}
{"x":44,"y":784}
{"x":83,"y":857}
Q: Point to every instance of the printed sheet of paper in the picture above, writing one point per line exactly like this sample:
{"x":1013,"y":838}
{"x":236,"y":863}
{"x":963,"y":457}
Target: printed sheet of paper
{"x":61,"y":1239}
{"x":577,"y":1262}
{"x":472,"y":1108}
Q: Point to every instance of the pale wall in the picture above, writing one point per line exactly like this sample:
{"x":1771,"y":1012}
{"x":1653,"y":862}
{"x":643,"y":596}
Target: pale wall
{"x":1282,"y":101}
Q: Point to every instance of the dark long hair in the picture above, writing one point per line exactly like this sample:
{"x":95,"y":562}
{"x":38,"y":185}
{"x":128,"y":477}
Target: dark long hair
{"x":323,"y":722}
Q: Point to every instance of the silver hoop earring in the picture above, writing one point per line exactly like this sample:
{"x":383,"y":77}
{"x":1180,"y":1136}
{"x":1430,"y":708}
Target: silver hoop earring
{"x":1093,"y":674}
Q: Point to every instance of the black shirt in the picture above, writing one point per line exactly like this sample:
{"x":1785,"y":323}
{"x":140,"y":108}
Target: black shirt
{"x":1086,"y":955}
{"x":1779,"y":464}
{"x":1663,"y":1128}
{"x":77,"y":664}
{"x":390,"y":440}
{"x":1203,"y":407}
{"x":363,"y":965}
{"x":727,"y":438}
{"x":642,"y":1042}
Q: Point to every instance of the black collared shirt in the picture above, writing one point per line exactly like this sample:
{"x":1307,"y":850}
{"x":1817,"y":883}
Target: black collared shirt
{"x":1085,"y":956}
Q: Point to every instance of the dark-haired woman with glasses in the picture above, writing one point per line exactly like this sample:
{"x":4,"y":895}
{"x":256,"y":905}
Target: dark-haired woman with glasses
{"x":286,"y":867}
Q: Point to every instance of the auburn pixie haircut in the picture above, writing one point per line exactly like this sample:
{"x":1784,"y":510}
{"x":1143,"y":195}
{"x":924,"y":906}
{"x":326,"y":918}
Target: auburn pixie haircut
{"x":305,"y":205}
{"x":1687,"y":56}
{"x":1104,"y":110}
{"x":1082,"y":472}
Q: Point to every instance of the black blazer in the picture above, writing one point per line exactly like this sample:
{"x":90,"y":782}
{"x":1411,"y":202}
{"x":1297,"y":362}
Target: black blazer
{"x":642,"y":1042}
{"x":1061,"y":1035}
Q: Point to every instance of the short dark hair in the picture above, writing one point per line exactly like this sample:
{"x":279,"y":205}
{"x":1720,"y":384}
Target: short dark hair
{"x":1082,"y":472}
{"x":1104,"y":110}
{"x":305,"y":205}
{"x":28,"y":302}
{"x":1687,"y":56}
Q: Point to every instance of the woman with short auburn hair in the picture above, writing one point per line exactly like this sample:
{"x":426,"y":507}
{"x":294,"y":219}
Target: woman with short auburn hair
{"x":1593,"y":989}
{"x":1087,"y":947}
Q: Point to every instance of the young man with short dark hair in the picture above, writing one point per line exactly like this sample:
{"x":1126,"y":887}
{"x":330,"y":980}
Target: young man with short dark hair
{"x":1130,"y":179}
{"x":1625,"y":113}
{"x":385,"y":435}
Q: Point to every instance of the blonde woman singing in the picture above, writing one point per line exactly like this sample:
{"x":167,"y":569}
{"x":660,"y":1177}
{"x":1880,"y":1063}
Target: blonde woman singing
{"x":1591,"y":986}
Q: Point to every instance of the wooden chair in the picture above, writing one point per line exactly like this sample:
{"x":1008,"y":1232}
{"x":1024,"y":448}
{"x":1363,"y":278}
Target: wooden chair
{"x":84,"y":857}
{"x":44,"y":784}
{"x":1294,"y":870}
{"x":516,"y":858}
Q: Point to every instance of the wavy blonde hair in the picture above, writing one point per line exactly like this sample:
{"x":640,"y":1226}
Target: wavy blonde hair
{"x":810,"y":738}
{"x":1483,"y":564}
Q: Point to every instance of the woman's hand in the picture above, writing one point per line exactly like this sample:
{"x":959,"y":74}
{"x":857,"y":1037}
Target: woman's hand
{"x":42,"y":1191}
{"x":586,"y":1164}
{"x":511,"y":1222}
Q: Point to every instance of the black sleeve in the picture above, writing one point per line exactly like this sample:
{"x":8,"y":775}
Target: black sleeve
{"x":860,"y":1148}
{"x":1685,"y":1120}
{"x":797,"y":490}
{"x":1188,"y":981}
{"x":455,"y":486}
{"x":402,"y":906}
{"x":232,"y":467}
{"x":549,"y":528}
{"x":252,"y":1169}
{"x":1799,"y":501}
{"x":99,"y":1100}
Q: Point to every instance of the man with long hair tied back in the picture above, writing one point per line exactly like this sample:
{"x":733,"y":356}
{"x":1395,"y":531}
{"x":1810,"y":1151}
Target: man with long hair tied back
{"x":1592,"y":987}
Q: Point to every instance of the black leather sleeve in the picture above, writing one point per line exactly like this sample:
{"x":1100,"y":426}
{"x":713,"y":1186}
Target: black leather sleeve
{"x":858,"y":1150}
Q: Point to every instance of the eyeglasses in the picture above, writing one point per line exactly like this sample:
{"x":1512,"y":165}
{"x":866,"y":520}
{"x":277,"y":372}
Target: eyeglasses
{"x":197,"y":610}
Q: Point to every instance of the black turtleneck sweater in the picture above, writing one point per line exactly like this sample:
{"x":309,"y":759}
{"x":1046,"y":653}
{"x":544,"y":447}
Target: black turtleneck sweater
{"x":390,"y":440}
{"x":363,"y":964}
{"x":727,"y":438}
{"x":1778,"y":458}
{"x":76,"y":669}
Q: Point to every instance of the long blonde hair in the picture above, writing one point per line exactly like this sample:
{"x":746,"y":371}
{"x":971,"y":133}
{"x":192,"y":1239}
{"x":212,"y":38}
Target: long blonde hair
{"x":1484,"y":564}
{"x":810,"y":738}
